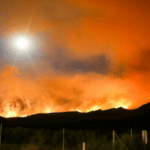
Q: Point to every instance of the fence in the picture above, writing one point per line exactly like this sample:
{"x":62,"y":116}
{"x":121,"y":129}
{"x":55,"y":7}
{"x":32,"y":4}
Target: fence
{"x":83,"y":139}
{"x":116,"y":137}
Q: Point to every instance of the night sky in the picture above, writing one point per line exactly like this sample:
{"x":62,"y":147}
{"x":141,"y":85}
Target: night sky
{"x":81,"y":55}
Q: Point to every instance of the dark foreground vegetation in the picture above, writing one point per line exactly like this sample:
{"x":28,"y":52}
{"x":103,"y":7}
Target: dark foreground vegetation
{"x":21,"y":138}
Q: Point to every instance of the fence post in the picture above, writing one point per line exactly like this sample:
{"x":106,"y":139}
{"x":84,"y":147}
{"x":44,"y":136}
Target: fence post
{"x":144,"y":136}
{"x":63,"y":139}
{"x":131,"y":133}
{"x":113,"y":142}
{"x":131,"y":137}
{"x":83,"y":146}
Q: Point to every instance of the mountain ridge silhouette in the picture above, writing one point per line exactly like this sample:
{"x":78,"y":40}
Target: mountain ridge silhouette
{"x":110,"y":118}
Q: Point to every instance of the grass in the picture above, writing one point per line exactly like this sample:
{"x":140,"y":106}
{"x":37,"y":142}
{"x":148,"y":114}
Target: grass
{"x":20,"y":138}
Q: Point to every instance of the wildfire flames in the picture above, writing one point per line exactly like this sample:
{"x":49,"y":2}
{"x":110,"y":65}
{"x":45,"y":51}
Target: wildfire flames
{"x":11,"y":112}
{"x":20,"y":97}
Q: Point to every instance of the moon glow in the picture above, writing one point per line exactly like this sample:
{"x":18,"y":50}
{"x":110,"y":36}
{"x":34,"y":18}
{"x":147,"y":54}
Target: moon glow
{"x":22,"y":43}
{"x":22,"y":46}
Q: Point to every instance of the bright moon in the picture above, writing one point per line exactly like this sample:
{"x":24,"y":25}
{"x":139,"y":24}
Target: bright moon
{"x":22,"y":43}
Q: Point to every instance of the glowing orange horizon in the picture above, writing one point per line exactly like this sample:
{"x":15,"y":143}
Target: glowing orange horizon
{"x":13,"y":113}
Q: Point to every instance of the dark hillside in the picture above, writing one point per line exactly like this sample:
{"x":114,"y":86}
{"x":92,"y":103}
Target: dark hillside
{"x":111,"y":118}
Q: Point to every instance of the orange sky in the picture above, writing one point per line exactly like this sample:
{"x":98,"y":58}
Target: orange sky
{"x":84,"y":55}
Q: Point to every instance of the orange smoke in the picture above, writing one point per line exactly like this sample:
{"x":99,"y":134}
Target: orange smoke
{"x":81,"y":92}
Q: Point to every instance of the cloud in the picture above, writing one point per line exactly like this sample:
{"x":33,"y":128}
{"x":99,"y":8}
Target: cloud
{"x":142,"y":64}
{"x":60,"y":61}
{"x":98,"y":64}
